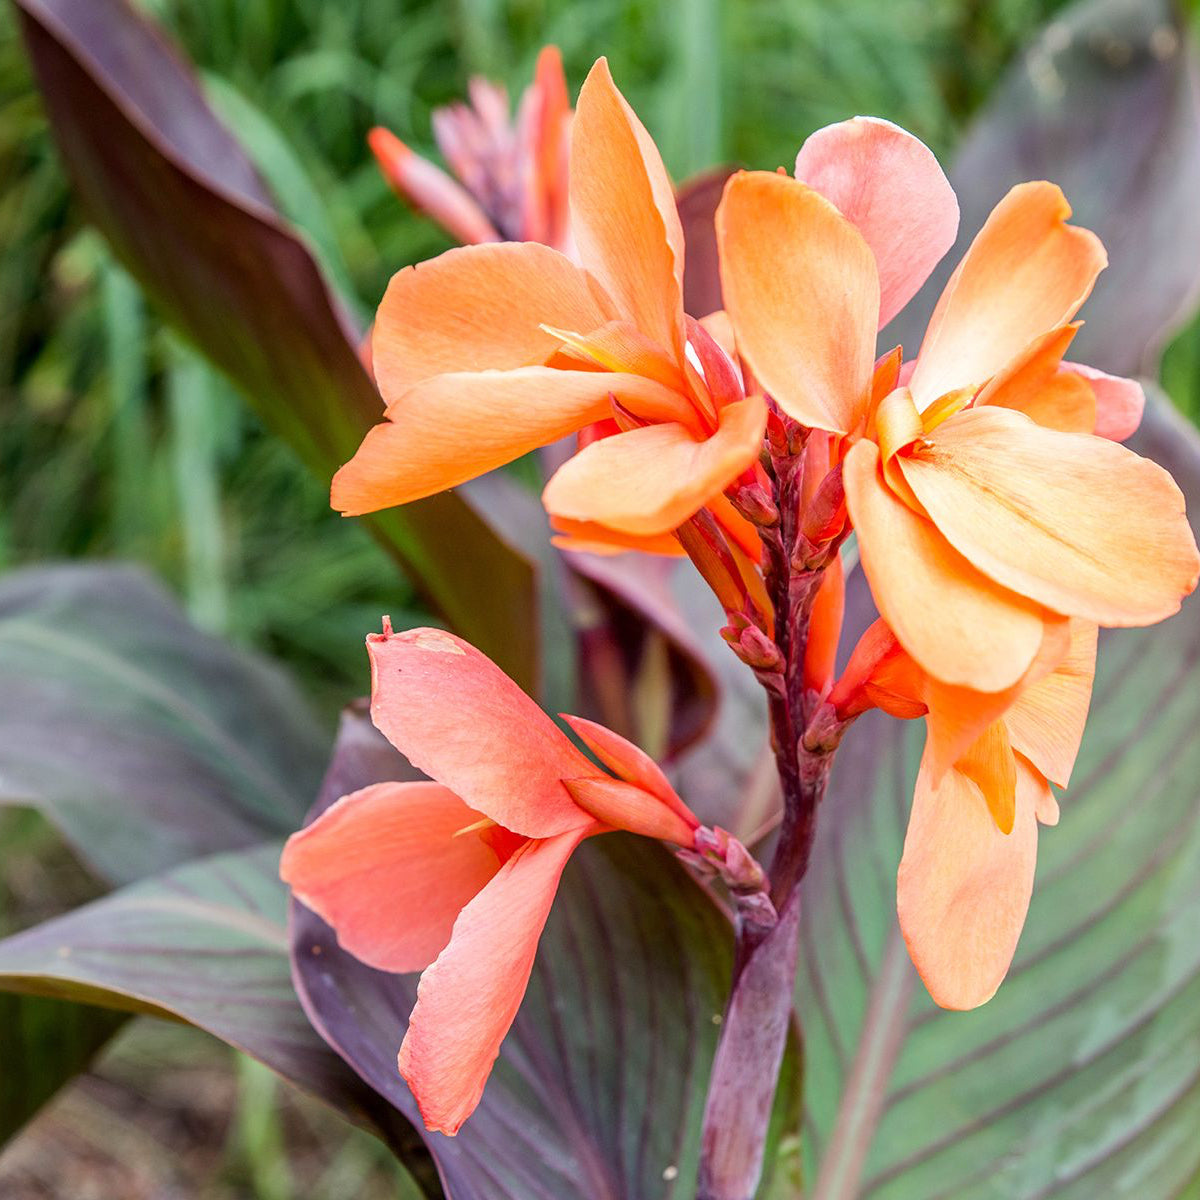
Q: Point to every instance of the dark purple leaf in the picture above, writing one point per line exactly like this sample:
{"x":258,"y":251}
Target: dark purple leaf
{"x":186,"y":212}
{"x":697,"y":201}
{"x":1081,"y":1078}
{"x":205,"y":943}
{"x":600,"y":1086}
{"x":1106,"y":104}
{"x":145,"y":741}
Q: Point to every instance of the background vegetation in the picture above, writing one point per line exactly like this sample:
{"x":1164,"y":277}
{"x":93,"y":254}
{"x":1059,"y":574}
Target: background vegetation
{"x":117,"y":441}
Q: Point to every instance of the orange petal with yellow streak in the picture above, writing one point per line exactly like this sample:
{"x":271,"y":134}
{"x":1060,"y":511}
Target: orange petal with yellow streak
{"x":801,"y":287}
{"x":1035,"y":384}
{"x":958,"y":716}
{"x":623,"y":213}
{"x":451,"y":428}
{"x":1046,"y":722}
{"x":650,"y":480}
{"x":958,"y":625}
{"x":963,"y":887}
{"x":479,"y":308}
{"x":1074,"y":522}
{"x":456,"y":716}
{"x":383,"y":867}
{"x":1026,"y":272}
{"x":468,"y":998}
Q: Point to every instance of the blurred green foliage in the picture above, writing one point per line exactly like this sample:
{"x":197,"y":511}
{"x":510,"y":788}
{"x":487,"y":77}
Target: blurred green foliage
{"x":116,"y":440}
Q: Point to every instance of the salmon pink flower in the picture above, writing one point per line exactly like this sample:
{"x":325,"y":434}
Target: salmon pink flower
{"x":966,"y":875}
{"x":456,"y":877}
{"x":511,"y":180}
{"x":488,"y":352}
{"x":986,"y":508}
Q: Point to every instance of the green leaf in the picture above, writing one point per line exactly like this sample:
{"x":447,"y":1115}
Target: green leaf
{"x":1081,"y":1078}
{"x":145,"y":741}
{"x":42,"y":1044}
{"x":188,"y":215}
{"x":205,"y":943}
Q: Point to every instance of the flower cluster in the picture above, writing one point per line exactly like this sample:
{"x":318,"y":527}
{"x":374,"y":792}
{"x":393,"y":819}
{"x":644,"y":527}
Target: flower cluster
{"x":999,"y":523}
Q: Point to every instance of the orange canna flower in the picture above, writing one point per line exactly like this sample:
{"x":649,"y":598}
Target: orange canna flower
{"x":966,"y":874}
{"x":986,"y":507}
{"x":511,"y":177}
{"x":490,"y":351}
{"x":456,"y":877}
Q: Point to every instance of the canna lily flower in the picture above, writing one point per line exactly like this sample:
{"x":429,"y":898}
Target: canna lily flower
{"x":456,"y":877}
{"x":511,"y":180}
{"x":986,"y":507}
{"x":966,"y":874}
{"x":491,"y":351}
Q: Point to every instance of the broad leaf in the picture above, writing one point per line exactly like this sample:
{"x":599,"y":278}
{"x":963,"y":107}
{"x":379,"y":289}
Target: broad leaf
{"x":145,"y":741}
{"x":188,"y":215}
{"x":1106,"y":103}
{"x":600,"y":1085}
{"x":1081,"y":1077}
{"x":205,"y":943}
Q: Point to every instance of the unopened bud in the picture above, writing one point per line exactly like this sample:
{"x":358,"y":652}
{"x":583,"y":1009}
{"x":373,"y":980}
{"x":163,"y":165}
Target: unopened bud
{"x":753,"y":503}
{"x":752,"y":646}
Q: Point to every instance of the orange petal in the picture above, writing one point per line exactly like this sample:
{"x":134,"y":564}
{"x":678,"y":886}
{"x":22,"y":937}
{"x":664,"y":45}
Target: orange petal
{"x":383,"y":867}
{"x":958,"y":716}
{"x":650,"y":480}
{"x":959,"y":626}
{"x":1075,"y":522}
{"x":623,"y":212}
{"x":889,"y":185}
{"x":587,"y":537}
{"x":430,"y":190}
{"x":451,"y":428}
{"x":629,"y":762}
{"x":467,"y":1000}
{"x":963,"y":887}
{"x":1046,"y":722}
{"x":456,"y":716}
{"x":1033,"y":383}
{"x":989,"y":764}
{"x":825,"y":628}
{"x":479,"y":308}
{"x":620,"y":805}
{"x":1026,"y":272}
{"x":802,"y":290}
{"x":545,"y":117}
{"x":1119,"y":401}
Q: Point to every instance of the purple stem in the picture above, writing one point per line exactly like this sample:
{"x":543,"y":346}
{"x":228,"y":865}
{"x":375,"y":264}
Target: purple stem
{"x":754,"y":1031}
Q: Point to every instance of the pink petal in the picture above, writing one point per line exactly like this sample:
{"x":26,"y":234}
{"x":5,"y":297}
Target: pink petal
{"x":430,"y":190}
{"x":888,"y":184}
{"x":456,"y":716}
{"x":468,"y":998}
{"x":1119,"y":401}
{"x":383,"y":867}
{"x":628,"y":762}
